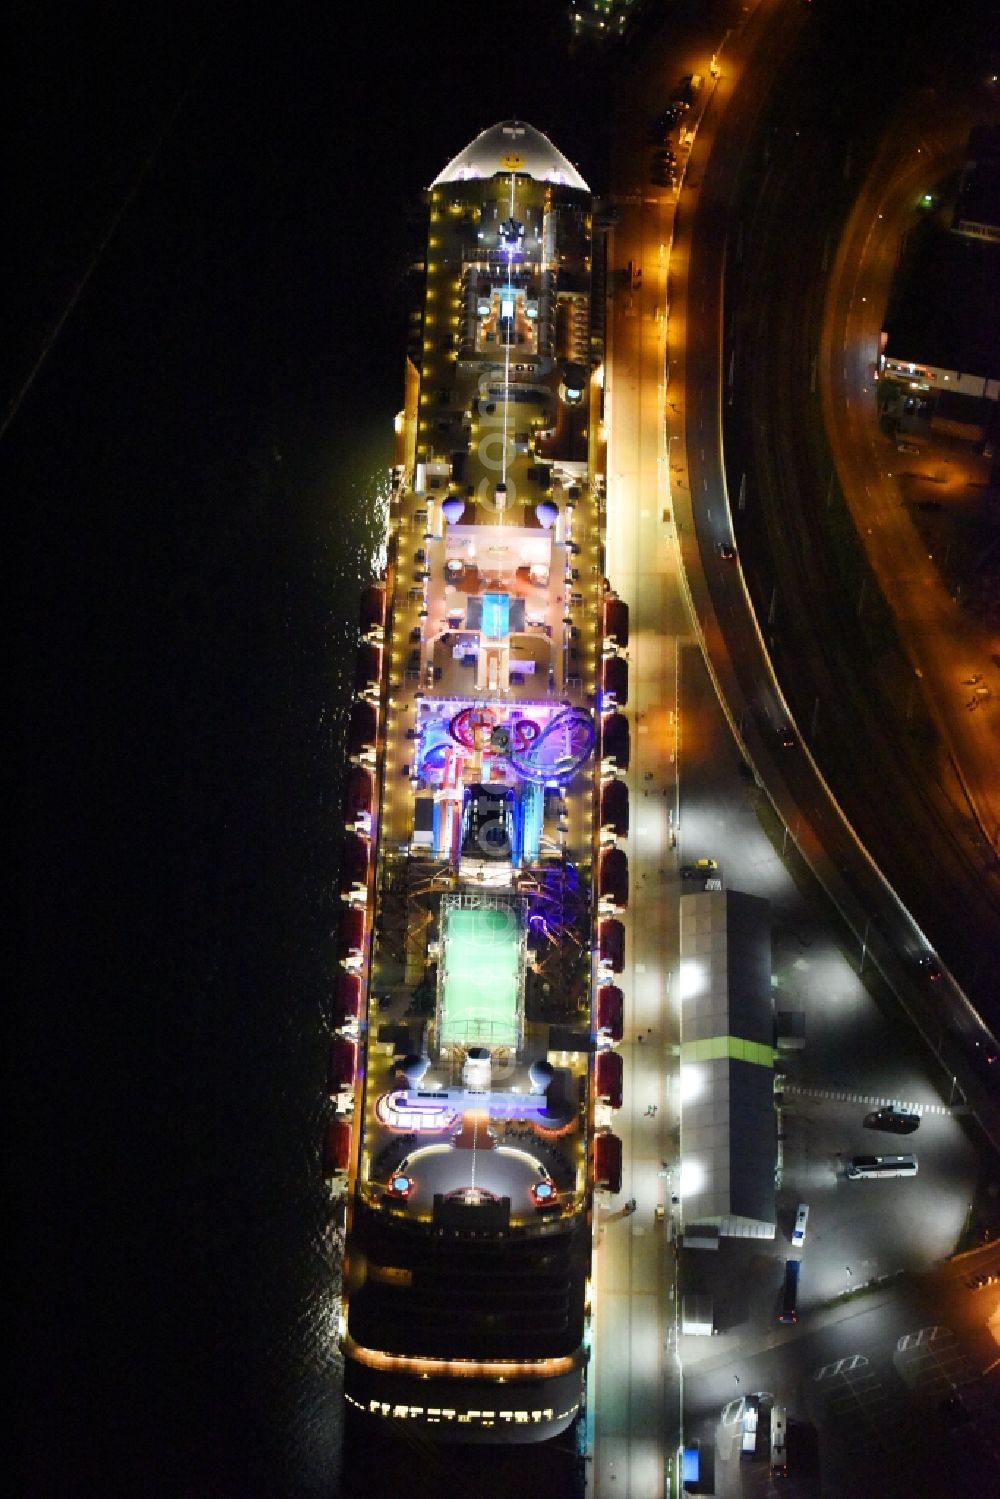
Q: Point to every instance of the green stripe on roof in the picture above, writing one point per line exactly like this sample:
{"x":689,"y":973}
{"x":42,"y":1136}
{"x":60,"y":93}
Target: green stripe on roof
{"x":734,"y":1047}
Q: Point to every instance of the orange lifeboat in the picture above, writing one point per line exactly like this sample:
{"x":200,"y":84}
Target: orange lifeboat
{"x":609,"y":1077}
{"x":611,"y":1011}
{"x":337,"y":1148}
{"x":347,"y":998}
{"x":608,"y":1162}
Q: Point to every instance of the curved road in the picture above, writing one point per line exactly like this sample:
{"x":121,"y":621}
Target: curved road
{"x":761,"y":209}
{"x":835,"y":651}
{"x":944,"y":645}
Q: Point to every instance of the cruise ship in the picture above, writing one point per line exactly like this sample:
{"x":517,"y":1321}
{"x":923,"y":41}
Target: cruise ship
{"x":474,"y":1070}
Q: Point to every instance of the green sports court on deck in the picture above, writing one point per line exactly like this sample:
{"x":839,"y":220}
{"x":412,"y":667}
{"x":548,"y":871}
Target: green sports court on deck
{"x":481,"y":957}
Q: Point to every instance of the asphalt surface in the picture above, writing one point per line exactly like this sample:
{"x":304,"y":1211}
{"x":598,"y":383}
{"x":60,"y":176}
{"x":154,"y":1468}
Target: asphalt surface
{"x":633,"y":1332}
{"x":836,"y":656}
{"x":947,"y":647}
{"x":686,"y":775}
{"x":819,"y":660}
{"x":837,"y":667}
{"x":867,"y":1384}
{"x":854,"y":1059}
{"x":633,"y":1401}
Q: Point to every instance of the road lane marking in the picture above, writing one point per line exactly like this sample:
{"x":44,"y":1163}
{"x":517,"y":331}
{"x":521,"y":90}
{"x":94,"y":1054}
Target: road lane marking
{"x":841,"y":1097}
{"x":851,"y":1361}
{"x":915,"y":1339}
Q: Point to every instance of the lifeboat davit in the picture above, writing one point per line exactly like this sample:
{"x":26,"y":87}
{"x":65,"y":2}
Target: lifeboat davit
{"x":612,"y":944}
{"x":608,"y":1162}
{"x":368,"y":671}
{"x":615,"y":740}
{"x":372,"y":611}
{"x":616,"y":622}
{"x":354,"y":863}
{"x":351,"y":934}
{"x":347,"y":998}
{"x":337,"y":1148}
{"x":358,"y":793}
{"x":611,"y":1011}
{"x":614,"y":807}
{"x":613,"y":877}
{"x":343,"y":1061}
{"x":362,"y":729}
{"x":609,"y":1077}
{"x":615,"y":681}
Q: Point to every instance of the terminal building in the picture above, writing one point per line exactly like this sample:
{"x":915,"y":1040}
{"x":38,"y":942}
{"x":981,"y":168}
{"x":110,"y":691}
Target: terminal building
{"x":939,"y":361}
{"x":728,"y":1122}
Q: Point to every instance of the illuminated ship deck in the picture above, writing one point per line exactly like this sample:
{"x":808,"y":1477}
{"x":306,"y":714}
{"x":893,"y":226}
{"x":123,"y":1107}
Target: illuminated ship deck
{"x":467,"y":944}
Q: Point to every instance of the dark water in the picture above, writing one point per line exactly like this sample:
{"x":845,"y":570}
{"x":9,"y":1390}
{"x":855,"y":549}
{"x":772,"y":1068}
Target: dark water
{"x":191,"y":511}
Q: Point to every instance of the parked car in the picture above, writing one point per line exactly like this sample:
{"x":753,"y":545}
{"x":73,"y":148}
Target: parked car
{"x":689,"y":88}
{"x":895,"y":1121}
{"x":955,"y":1410}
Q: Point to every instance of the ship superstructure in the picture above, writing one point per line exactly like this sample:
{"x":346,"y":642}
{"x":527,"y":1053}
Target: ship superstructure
{"x":465,"y":1073}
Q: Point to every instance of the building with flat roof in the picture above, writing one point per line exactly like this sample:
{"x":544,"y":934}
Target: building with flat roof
{"x":977,"y":209}
{"x":943,"y":331}
{"x":940,"y":345}
{"x":728,"y":1127}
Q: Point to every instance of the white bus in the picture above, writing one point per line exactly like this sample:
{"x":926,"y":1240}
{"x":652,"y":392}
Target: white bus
{"x":748,"y":1434}
{"x":881,"y":1165}
{"x":799,"y":1231}
{"x":779,"y":1453}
